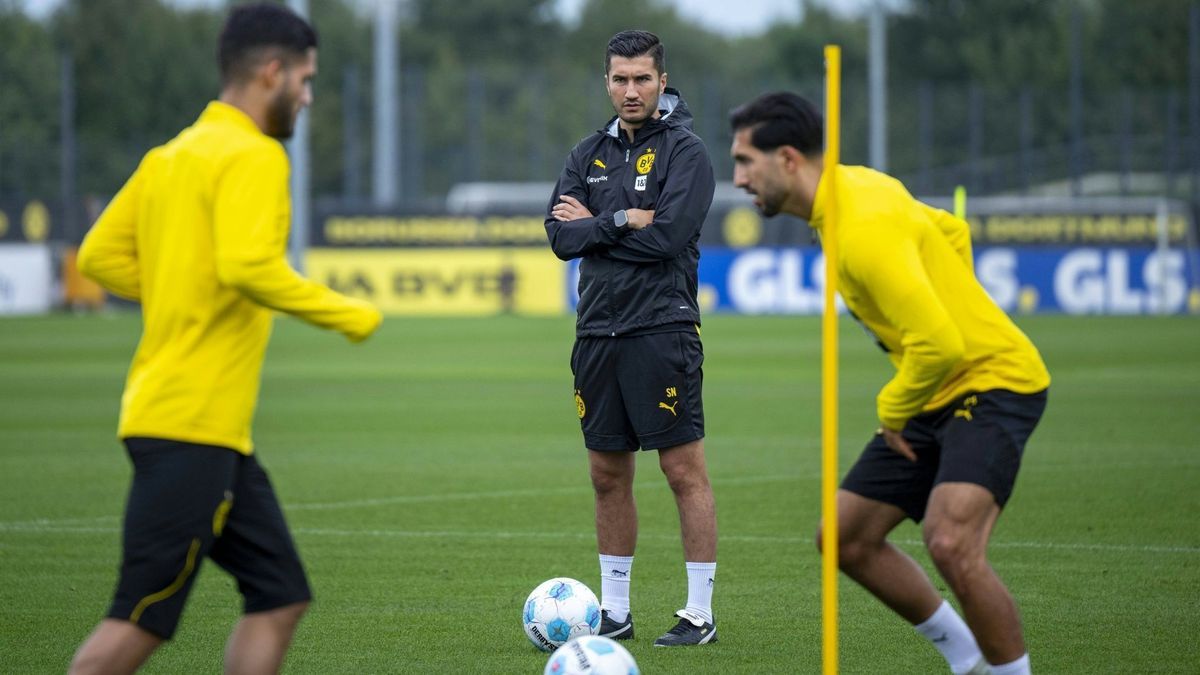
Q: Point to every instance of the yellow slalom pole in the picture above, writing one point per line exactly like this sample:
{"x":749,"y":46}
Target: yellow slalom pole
{"x":829,"y":366}
{"x":960,"y":202}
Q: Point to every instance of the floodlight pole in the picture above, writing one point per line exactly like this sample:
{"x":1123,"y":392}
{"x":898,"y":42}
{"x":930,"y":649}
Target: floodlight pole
{"x":385,"y":155}
{"x":300,"y":183}
{"x":877,"y":87}
{"x":829,"y":367}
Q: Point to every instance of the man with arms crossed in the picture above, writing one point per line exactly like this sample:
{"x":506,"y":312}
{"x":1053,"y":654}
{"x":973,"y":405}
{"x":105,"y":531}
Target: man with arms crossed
{"x":198,"y":235}
{"x":630,"y":203}
{"x":969,"y":388}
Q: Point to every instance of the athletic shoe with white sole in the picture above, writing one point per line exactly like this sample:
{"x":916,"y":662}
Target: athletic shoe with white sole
{"x":613,"y":630}
{"x":691,"y":630}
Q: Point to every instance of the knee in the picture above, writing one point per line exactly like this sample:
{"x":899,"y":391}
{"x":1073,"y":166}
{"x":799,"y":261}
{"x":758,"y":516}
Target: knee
{"x":852,"y":551}
{"x":685,"y":481}
{"x":610,"y":482}
{"x":954,"y":553}
{"x":290,"y":615}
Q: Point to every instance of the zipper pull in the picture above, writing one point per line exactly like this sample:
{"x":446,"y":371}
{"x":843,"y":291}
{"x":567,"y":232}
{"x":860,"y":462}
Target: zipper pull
{"x":626,"y":155}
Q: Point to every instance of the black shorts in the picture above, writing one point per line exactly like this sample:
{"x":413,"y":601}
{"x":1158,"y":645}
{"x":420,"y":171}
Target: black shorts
{"x":978,"y":439}
{"x":639,"y":392}
{"x":191,"y":501}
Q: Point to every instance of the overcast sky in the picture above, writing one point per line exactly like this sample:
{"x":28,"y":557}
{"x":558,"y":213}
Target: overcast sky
{"x":732,"y":17}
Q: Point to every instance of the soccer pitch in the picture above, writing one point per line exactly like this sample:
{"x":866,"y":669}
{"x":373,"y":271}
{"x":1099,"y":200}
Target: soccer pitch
{"x":434,"y":475}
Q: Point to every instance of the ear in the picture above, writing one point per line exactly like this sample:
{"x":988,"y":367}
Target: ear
{"x":792,"y":158}
{"x":662,"y":83}
{"x":271,"y":73}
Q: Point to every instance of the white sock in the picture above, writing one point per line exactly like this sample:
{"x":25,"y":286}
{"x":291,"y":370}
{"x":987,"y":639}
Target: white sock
{"x":700,"y":587}
{"x":950,"y":635}
{"x":1018,"y":667}
{"x":614,"y":585}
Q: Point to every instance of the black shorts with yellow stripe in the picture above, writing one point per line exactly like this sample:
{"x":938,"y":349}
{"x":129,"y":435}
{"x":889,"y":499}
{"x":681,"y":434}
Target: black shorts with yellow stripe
{"x":189,"y":502}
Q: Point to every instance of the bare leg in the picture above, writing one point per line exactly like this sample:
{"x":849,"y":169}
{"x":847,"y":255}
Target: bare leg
{"x":958,"y":524}
{"x":260,"y":640}
{"x":116,"y":647}
{"x":616,"y":511}
{"x":687,"y":474}
{"x":865,"y":555}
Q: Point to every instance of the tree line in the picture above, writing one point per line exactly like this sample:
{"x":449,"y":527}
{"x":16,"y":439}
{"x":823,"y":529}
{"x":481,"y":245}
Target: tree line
{"x":501,"y":89}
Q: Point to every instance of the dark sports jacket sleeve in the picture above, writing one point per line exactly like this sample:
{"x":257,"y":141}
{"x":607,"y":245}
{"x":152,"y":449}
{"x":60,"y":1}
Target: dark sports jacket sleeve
{"x":577,"y":238}
{"x":683,"y":204}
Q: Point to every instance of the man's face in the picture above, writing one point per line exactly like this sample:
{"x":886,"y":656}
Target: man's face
{"x":294,"y":93}
{"x":759,"y":173}
{"x":634,"y":86}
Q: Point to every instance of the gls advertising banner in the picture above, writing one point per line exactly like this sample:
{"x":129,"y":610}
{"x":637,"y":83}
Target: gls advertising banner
{"x":1025,"y":280}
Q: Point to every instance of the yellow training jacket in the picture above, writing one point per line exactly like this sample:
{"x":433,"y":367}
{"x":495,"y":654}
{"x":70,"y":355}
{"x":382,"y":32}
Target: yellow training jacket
{"x":906,"y":273}
{"x":198,"y":235}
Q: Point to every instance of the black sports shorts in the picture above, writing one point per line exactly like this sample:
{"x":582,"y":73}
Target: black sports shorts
{"x":978,"y":439}
{"x":191,"y":501}
{"x":640,"y":391}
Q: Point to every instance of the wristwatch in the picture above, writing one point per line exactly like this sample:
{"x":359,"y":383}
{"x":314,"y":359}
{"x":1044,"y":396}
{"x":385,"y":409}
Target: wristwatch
{"x":620,"y":218}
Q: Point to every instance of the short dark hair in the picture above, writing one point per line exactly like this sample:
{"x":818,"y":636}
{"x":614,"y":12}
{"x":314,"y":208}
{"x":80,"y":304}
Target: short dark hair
{"x":781,"y":118}
{"x":252,"y":28}
{"x":634,"y":43}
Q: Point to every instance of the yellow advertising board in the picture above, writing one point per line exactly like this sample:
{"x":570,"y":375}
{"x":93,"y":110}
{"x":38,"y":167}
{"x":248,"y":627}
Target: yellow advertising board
{"x":446,"y":281}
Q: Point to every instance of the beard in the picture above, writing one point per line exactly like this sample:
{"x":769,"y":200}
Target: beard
{"x":770,"y":202}
{"x":281,"y":116}
{"x":636,"y":119}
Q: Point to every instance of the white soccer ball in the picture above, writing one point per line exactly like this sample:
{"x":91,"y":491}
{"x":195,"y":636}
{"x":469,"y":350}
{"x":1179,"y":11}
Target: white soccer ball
{"x":557,"y":611}
{"x":591,"y":655}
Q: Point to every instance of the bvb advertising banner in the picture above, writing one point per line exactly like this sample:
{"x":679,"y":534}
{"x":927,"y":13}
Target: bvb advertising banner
{"x":1083,"y":256}
{"x":446,"y":281}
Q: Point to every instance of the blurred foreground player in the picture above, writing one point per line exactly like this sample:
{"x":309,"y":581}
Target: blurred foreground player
{"x":969,"y":388}
{"x":198,"y":236}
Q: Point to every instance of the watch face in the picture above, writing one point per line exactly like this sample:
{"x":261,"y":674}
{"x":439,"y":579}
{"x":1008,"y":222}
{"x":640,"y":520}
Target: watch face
{"x":621,"y":218}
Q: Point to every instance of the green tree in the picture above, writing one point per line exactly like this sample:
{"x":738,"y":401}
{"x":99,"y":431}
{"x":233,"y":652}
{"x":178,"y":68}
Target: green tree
{"x":143,"y":71}
{"x":29,"y":107}
{"x":344,"y":39}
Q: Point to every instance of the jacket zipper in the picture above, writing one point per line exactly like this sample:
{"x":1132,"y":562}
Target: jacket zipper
{"x":611,"y":308}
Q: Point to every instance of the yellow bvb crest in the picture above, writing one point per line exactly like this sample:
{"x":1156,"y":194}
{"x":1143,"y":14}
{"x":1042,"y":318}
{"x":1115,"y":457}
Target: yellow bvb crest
{"x":645,"y":162}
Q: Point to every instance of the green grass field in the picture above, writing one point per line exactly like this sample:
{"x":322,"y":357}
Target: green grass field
{"x":434,"y":475}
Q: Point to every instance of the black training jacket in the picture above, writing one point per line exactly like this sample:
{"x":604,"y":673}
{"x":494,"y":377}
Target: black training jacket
{"x":630,"y":281}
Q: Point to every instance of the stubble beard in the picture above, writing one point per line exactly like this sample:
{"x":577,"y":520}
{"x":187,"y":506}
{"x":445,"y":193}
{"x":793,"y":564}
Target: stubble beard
{"x":281,"y":117}
{"x":771,"y":202}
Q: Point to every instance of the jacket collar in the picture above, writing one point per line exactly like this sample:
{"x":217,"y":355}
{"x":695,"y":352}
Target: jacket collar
{"x":218,"y":111}
{"x":824,"y":187}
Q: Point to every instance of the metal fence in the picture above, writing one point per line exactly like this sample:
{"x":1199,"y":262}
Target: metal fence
{"x":504,"y":124}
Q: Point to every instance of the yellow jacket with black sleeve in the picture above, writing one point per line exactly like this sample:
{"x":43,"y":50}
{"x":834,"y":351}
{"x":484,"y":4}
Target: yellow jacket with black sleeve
{"x":906,"y":274}
{"x":198,"y":235}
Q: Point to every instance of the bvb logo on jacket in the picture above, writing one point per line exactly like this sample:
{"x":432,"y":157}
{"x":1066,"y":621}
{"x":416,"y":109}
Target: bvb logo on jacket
{"x":645,"y":162}
{"x":643,"y":166}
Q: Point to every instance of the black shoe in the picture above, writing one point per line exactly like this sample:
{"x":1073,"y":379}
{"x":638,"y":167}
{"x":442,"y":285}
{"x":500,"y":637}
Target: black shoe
{"x":613,"y":630}
{"x":691,"y":630}
{"x":610,"y":628}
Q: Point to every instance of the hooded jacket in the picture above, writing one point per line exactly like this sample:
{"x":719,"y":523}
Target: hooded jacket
{"x":636,"y":281}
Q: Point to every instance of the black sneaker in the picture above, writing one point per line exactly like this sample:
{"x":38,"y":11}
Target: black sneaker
{"x":691,"y":630}
{"x":613,"y":630}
